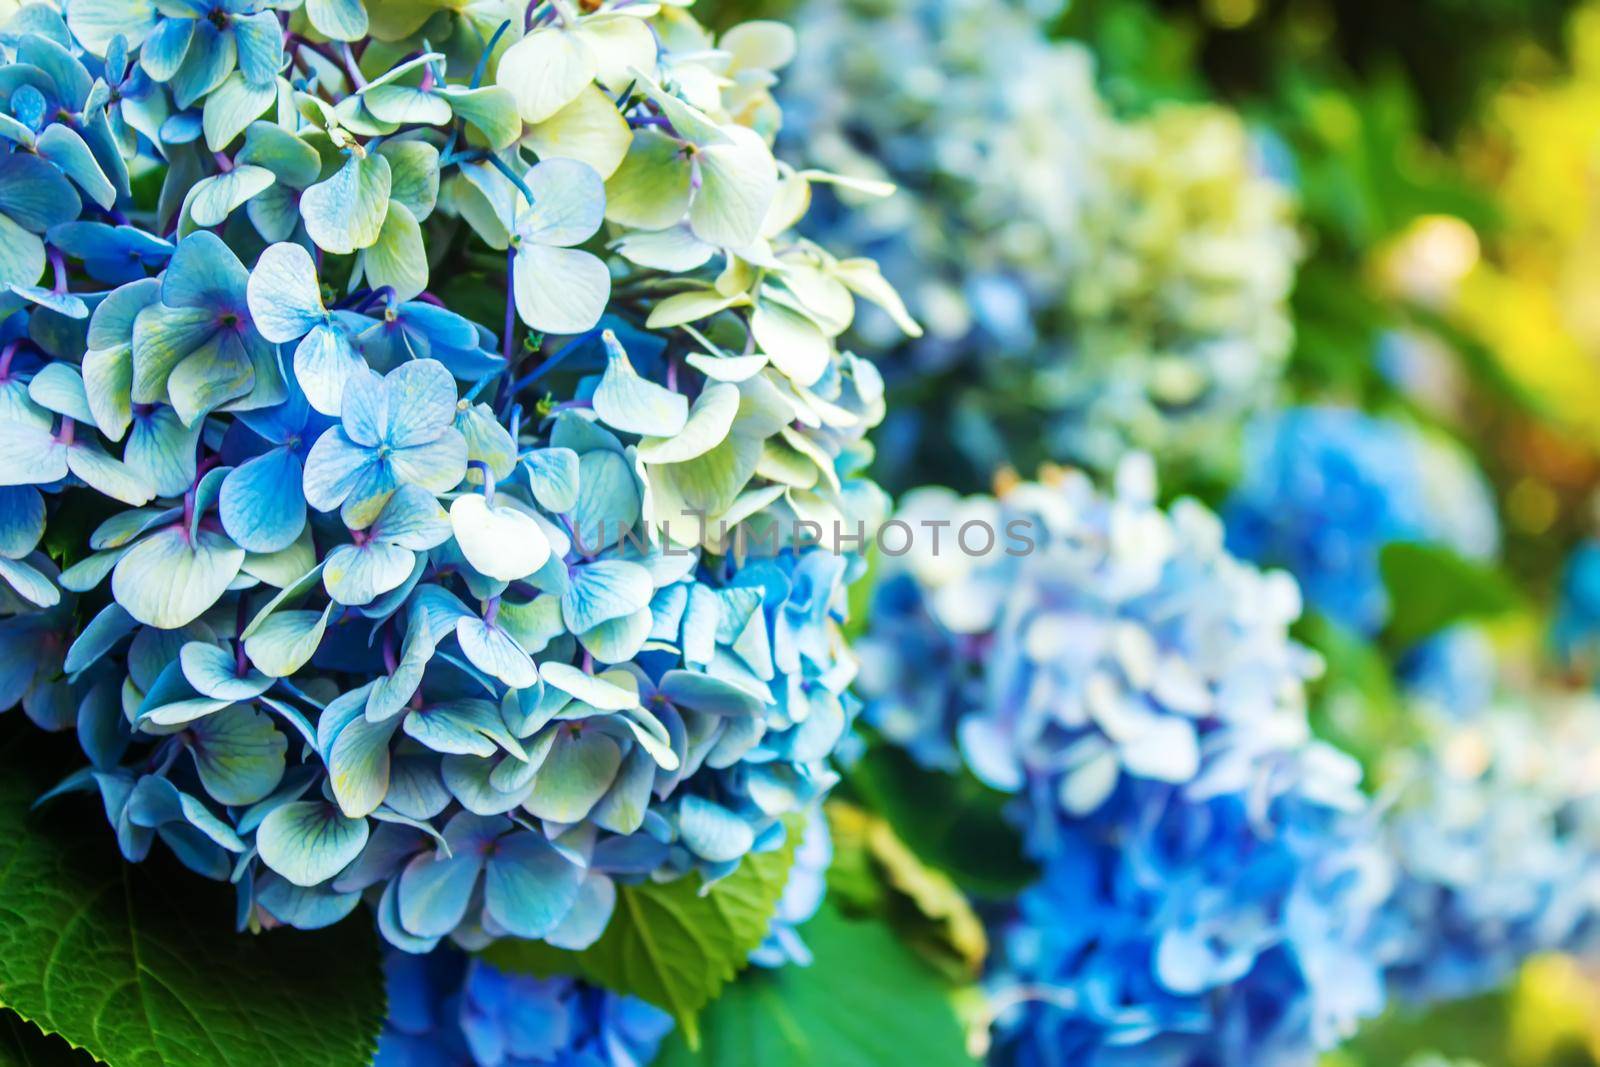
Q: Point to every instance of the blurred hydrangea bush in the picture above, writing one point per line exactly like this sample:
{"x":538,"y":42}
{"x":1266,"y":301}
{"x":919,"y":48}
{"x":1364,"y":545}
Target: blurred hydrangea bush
{"x":1494,"y":825}
{"x":350,"y":595}
{"x":1211,"y":874}
{"x":1108,"y":283}
{"x":1325,"y":489}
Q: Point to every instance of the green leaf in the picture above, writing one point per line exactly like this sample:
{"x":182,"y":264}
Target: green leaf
{"x":952,"y":822}
{"x":1477,"y":1028}
{"x":138,"y":963}
{"x":874,"y":874}
{"x":865,"y":1000}
{"x":1430,"y":587}
{"x":674,"y":944}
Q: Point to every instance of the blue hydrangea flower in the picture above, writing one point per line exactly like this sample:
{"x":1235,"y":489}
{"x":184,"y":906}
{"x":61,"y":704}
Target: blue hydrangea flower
{"x":455,"y":621}
{"x":57,"y":157}
{"x":1326,"y":488}
{"x":1210,"y":872}
{"x":1229,"y":930}
{"x":192,"y":46}
{"x":448,"y":1010}
{"x":1124,"y":645}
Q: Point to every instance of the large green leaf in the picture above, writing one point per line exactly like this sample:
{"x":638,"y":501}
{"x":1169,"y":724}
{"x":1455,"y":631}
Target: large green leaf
{"x":1430,"y":587}
{"x":138,"y":963}
{"x":674,"y":944}
{"x":865,"y":1000}
{"x":953,"y":822}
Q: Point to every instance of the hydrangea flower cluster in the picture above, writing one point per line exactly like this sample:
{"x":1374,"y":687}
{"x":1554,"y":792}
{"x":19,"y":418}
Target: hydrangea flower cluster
{"x":1122,"y":644}
{"x":1126,"y":280}
{"x":1184,"y":261}
{"x":359,"y":598}
{"x":1234,"y":929}
{"x":1326,"y":488}
{"x":446,"y":1009}
{"x":1210,"y":870}
{"x":1495,"y":833}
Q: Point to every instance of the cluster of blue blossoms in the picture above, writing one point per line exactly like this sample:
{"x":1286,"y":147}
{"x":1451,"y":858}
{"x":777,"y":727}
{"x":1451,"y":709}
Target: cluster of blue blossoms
{"x":1488,"y":820}
{"x":349,"y":597}
{"x":447,"y":1009}
{"x":1214,"y":887}
{"x":1325,"y":489}
{"x":1210,"y":873}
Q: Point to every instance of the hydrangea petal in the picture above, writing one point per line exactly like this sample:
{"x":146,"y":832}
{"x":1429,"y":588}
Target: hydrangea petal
{"x":262,"y":507}
{"x":500,"y":542}
{"x":285,"y":301}
{"x":346,"y":212}
{"x":579,"y":770}
{"x":359,"y":765}
{"x":630,"y":403}
{"x":342,"y":20}
{"x":286,"y":641}
{"x":544,"y":71}
{"x":492,"y":651}
{"x":397,"y":259}
{"x":528,"y":886}
{"x":213,"y":672}
{"x":605,"y":590}
{"x":234,"y":105}
{"x":309,"y":841}
{"x":168,"y":579}
{"x":568,"y":206}
{"x":711,"y":831}
{"x":238,"y":754}
{"x":356,"y":574}
{"x":559,"y":290}
{"x":738,"y":182}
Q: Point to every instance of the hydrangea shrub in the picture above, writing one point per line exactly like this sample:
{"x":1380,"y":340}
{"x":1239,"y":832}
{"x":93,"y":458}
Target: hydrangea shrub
{"x":349,"y":595}
{"x":1211,"y":874}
